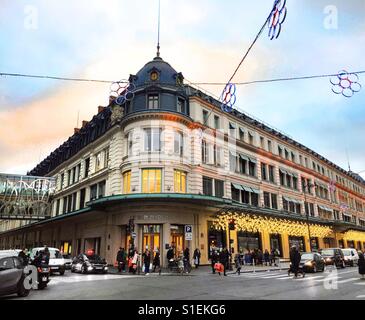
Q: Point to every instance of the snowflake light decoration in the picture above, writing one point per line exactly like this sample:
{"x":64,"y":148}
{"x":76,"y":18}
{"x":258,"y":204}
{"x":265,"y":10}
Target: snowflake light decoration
{"x":277,"y":18}
{"x":346,"y":84}
{"x":228,"y":97}
{"x":122,"y":92}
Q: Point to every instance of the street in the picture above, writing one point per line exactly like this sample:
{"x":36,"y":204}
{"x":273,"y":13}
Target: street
{"x":344,"y":284}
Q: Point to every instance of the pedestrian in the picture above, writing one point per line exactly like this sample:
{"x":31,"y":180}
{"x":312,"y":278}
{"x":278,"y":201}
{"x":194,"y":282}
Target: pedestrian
{"x":196,"y":257}
{"x":237,"y":261}
{"x":214,"y":260}
{"x":295,"y":261}
{"x":121,"y":255}
{"x":267,"y":257}
{"x":253,"y":257}
{"x":361,"y":265}
{"x":186,"y":260}
{"x":134,"y":261}
{"x":146,"y":257}
{"x":156,"y":261}
{"x":260,"y":257}
{"x":24,"y":257}
{"x":223,"y":259}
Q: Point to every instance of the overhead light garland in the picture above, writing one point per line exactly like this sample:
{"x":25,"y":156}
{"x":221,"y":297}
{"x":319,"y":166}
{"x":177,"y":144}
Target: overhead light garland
{"x":354,"y":235}
{"x":256,"y":223}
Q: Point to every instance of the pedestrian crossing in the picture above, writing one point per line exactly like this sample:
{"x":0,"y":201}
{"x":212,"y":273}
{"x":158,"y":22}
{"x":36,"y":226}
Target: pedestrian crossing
{"x":327,"y":276}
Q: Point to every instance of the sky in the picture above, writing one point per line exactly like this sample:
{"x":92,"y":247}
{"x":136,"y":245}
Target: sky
{"x":205,"y":40}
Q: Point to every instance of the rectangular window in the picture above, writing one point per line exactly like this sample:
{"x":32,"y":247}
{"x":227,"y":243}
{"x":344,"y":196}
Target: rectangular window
{"x":232,"y":162}
{"x":217,"y":122}
{"x":87,"y":167}
{"x":69,"y":203}
{"x":82,"y":198}
{"x":153,"y":101}
{"x":152,"y":139}
{"x":101,"y":189}
{"x":252,"y":168}
{"x":179,"y":181}
{"x":219,"y":188}
{"x":274,"y":201}
{"x":62,"y":180}
{"x":218,"y":155}
{"x":205,"y":116}
{"x":127,"y":182}
{"x":263,"y":171}
{"x":74,"y":195}
{"x":178,"y":143}
{"x":93,"y":192}
{"x":181,"y":105}
{"x":269,"y":145}
{"x":58,"y":207}
{"x":267,"y":199}
{"x":205,"y":152}
{"x":242,"y":134}
{"x":207,"y":186}
{"x":151,"y":180}
{"x":235,"y":193}
{"x":271,"y":174}
{"x":78,"y":171}
{"x":250,"y":138}
{"x":64,"y":207}
{"x":280,"y":151}
{"x":232,"y":130}
{"x":262,"y":142}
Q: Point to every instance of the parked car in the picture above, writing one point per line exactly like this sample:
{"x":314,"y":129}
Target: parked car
{"x":68,"y":261}
{"x":312,"y":262}
{"x":351,"y":256}
{"x":89,"y":264}
{"x":12,"y":276}
{"x":333,"y":256}
{"x":56,"y":260}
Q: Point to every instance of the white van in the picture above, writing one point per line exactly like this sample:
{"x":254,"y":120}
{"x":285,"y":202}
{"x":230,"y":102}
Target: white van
{"x":56,"y":260}
{"x":351,"y":256}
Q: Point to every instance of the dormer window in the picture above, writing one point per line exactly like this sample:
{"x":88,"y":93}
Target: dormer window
{"x":153,"y":101}
{"x":181,"y":105}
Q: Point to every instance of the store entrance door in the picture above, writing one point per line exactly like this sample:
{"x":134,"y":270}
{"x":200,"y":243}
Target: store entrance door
{"x":151,"y":237}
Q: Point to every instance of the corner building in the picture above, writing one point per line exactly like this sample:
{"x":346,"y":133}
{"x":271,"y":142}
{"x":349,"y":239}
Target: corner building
{"x":169,"y":158}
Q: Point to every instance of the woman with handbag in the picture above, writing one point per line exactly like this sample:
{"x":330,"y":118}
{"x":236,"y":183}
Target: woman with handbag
{"x":196,"y":257}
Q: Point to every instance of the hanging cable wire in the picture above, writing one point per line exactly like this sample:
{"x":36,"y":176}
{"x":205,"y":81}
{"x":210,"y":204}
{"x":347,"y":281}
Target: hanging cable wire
{"x":58,"y":78}
{"x":275,"y":80}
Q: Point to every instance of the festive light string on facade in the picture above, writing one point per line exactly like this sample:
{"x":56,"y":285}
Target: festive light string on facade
{"x":352,"y":235}
{"x":255,"y":223}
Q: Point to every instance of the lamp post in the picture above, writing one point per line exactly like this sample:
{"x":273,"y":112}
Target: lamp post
{"x":308,"y":186}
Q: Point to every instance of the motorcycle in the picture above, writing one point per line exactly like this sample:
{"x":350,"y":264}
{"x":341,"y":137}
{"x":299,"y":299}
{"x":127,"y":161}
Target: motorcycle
{"x":43,"y":271}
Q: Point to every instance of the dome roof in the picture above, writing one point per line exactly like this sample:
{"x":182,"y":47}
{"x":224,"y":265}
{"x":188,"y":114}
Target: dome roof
{"x":166,"y":73}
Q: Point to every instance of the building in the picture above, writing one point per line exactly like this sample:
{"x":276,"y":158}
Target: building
{"x":170,"y":158}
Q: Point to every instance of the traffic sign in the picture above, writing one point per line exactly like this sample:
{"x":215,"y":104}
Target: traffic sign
{"x":188,"y":232}
{"x":134,"y":235}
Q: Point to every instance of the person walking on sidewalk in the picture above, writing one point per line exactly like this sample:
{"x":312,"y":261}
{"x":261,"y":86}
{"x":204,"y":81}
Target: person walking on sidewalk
{"x":223,"y":259}
{"x":361,"y":264}
{"x":295,"y":261}
{"x":237,"y":261}
{"x":146,"y":261}
{"x":121,"y":256}
{"x":214,"y":259}
{"x":157,"y":262}
{"x":186,"y":259}
{"x":196,"y":257}
{"x":267,"y":257}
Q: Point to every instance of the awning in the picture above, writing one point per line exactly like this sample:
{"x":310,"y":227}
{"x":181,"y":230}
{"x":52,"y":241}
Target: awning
{"x":253,"y":160}
{"x":237,"y":186}
{"x":243,"y":157}
{"x":282,"y":171}
{"x":256,"y":190}
{"x":248,"y":189}
{"x":348,"y":214}
{"x":292,"y":200}
{"x":325,"y":208}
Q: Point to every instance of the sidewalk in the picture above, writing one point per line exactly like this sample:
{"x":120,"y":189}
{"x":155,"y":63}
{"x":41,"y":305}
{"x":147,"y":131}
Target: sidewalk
{"x":206,"y":270}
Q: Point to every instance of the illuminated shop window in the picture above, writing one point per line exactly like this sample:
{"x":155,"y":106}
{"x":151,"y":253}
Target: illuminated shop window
{"x":179,"y":181}
{"x":151,"y":180}
{"x":127,"y":182}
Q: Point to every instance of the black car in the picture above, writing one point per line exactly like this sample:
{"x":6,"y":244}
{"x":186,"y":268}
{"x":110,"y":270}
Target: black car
{"x":89,"y":264}
{"x":312,"y":262}
{"x":334,"y":257}
{"x":12,"y":276}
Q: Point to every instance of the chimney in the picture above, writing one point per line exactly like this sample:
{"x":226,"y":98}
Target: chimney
{"x":76,"y":130}
{"x":84,"y":123}
{"x":100,"y":109}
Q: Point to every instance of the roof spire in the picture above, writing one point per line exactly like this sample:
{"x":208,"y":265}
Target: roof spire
{"x":158,"y":33}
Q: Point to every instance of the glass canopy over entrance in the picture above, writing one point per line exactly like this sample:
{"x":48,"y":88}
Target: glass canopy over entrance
{"x":25,"y":197}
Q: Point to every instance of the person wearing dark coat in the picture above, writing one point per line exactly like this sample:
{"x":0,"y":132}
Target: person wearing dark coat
{"x":361,"y":264}
{"x":196,"y":257}
{"x":146,"y":261}
{"x":23,"y":257}
{"x":295,"y":260}
{"x":223,"y":259}
{"x":121,"y":256}
{"x":186,"y":259}
{"x":214,"y":259}
{"x":156,"y":262}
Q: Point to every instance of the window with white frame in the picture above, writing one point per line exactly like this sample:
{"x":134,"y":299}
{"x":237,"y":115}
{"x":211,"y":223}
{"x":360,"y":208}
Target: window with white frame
{"x":152,"y":139}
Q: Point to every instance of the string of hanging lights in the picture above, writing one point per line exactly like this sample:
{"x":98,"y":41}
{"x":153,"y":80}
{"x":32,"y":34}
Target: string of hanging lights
{"x":354,"y":235}
{"x":256,"y":223}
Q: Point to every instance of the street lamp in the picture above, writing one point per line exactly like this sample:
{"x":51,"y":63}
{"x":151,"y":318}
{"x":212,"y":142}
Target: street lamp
{"x":308,"y":186}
